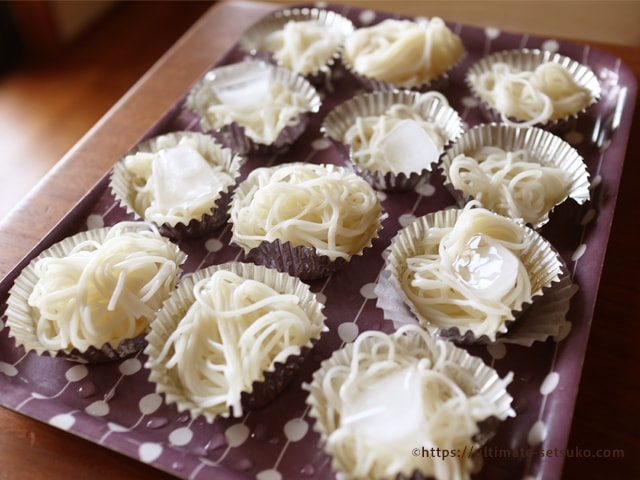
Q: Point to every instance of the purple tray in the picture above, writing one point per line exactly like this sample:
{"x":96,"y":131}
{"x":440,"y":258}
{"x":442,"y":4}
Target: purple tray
{"x":115,"y":406}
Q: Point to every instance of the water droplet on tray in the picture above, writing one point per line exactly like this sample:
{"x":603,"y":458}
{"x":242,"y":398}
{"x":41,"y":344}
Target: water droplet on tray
{"x":309,"y":470}
{"x":183,"y":418}
{"x":87,"y":389}
{"x":243,"y":464}
{"x":259,"y":432}
{"x":216,"y":443}
{"x":157,"y":422}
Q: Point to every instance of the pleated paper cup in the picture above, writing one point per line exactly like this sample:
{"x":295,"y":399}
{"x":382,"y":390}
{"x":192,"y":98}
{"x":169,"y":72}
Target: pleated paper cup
{"x":542,"y":147}
{"x":267,"y":39}
{"x":287,"y":254}
{"x":125,"y":184}
{"x":431,"y":108}
{"x":414,"y":347}
{"x":527,"y":60}
{"x":546,"y":270}
{"x":22,"y":318}
{"x":241,"y":80}
{"x":270,"y":382}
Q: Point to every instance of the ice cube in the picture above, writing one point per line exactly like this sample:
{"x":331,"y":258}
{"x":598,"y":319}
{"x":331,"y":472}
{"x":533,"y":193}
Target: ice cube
{"x":409,"y":148}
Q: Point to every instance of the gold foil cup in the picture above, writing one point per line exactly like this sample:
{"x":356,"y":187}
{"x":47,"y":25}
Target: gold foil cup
{"x":542,"y":146}
{"x":21,"y":319}
{"x":234,"y":136}
{"x":546,"y":270}
{"x":528,"y":60}
{"x":271,"y":382}
{"x":430,"y":107}
{"x":466,"y":370}
{"x":122,"y":182}
{"x":336,"y":25}
{"x":300,"y":261}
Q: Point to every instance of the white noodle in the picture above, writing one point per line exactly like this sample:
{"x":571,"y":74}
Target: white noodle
{"x":452,"y":408}
{"x":264,"y":120}
{"x":367,"y":133}
{"x":403,"y":52}
{"x":303,"y":46}
{"x":438,"y":294}
{"x":236,"y":329}
{"x":144,"y":194}
{"x":329,"y":209}
{"x":528,"y":98}
{"x":103,"y":293}
{"x":511,"y":183}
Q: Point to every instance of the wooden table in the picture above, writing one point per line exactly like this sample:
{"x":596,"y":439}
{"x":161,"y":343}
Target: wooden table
{"x":606,"y":409}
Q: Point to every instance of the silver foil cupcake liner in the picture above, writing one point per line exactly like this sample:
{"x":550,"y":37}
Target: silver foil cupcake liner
{"x":543,"y":147}
{"x":544,"y":319}
{"x":528,"y":60}
{"x":253,"y":39}
{"x":20,"y":315}
{"x":274,"y":379}
{"x":234,"y":136}
{"x":468,"y":371}
{"x":300,"y":261}
{"x":122,"y":180}
{"x":429,"y":107}
{"x":550,"y":285}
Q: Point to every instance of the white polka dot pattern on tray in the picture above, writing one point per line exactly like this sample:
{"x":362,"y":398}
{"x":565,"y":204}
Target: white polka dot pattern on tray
{"x":149,"y":452}
{"x":550,"y":383}
{"x":497,"y":350}
{"x":296,"y":429}
{"x":367,"y":291}
{"x":63,"y":421}
{"x":114,"y":404}
{"x":95,"y":221}
{"x":367,"y":17}
{"x":348,"y":332}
